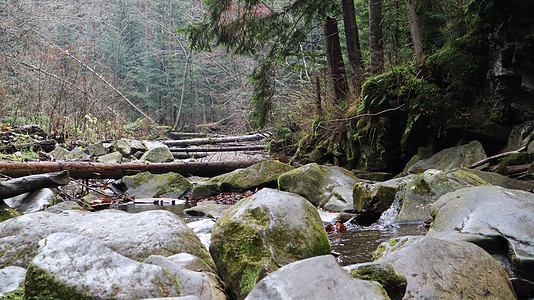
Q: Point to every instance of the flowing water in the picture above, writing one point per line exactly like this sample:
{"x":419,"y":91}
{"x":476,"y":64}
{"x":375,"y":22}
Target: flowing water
{"x":355,"y":245}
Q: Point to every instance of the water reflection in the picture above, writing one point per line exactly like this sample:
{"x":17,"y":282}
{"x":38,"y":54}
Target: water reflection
{"x":357,"y":244}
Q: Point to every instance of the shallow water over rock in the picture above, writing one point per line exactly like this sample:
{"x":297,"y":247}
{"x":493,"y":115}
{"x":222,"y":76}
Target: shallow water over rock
{"x":356,"y":245}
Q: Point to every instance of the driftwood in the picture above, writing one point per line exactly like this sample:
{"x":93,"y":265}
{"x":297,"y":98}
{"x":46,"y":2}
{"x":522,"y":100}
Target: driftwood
{"x":186,"y":135}
{"x":31,"y":183}
{"x":118,"y":170}
{"x":207,"y":141}
{"x":495,"y":157}
{"x":46,"y":145}
{"x":186,"y":155}
{"x":220,"y":149}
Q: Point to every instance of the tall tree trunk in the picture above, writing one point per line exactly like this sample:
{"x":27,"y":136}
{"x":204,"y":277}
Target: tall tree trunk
{"x":376,"y":46}
{"x":335,"y":60}
{"x":414,"y":31}
{"x":353,"y":45}
{"x":318,"y":105}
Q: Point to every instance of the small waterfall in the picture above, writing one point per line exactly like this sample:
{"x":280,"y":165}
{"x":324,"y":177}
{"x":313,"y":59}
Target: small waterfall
{"x":388,"y":217}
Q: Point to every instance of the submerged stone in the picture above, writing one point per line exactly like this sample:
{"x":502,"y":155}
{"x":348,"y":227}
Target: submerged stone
{"x":263,"y":232}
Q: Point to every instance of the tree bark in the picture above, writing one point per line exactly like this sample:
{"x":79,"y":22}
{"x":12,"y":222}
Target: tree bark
{"x":335,"y":60}
{"x":415,"y":31}
{"x":220,"y":149}
{"x":318,"y":100}
{"x":376,"y":46}
{"x":207,"y":141}
{"x":119,"y":170}
{"x":356,"y":64}
{"x":32,"y":183}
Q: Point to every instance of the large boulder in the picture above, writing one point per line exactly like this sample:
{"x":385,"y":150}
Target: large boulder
{"x":451,"y":158}
{"x":497,"y":219}
{"x":315,"y":182}
{"x":314,"y":278}
{"x":147,"y":185}
{"x":96,"y":149}
{"x":11,"y":279}
{"x":136,"y":236}
{"x":260,"y":175}
{"x":195,"y":277}
{"x":113,"y":157}
{"x":439,"y":269}
{"x":122,"y":146}
{"x":72,"y":266}
{"x":418,"y":194}
{"x":263,"y":232}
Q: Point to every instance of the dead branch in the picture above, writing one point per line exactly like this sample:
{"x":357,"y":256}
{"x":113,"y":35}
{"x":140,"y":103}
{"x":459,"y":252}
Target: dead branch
{"x":31,"y":183}
{"x":495,"y":157}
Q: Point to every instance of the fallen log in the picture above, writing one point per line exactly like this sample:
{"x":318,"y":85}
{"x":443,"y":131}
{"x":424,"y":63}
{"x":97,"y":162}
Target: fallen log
{"x":495,"y":157}
{"x":186,"y":135}
{"x":118,"y":170}
{"x":220,"y":149}
{"x":32,"y":183}
{"x":207,"y":141}
{"x":46,"y":145}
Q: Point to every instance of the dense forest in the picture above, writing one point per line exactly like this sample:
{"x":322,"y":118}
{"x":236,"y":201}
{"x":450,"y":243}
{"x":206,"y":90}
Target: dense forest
{"x":362,"y":84}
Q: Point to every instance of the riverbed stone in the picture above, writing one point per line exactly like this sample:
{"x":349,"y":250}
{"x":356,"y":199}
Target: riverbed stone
{"x":63,"y":206}
{"x":113,"y":157}
{"x":136,"y":236}
{"x":96,"y":149}
{"x":315,"y":182}
{"x":318,"y":277}
{"x":418,"y":194}
{"x":157,"y":153}
{"x":72,"y":266}
{"x":77,"y":154}
{"x":11,"y":279}
{"x":260,"y":175}
{"x":497,"y":219}
{"x":451,"y":158}
{"x":439,"y":269}
{"x":31,"y":202}
{"x":263,"y":232}
{"x":393,"y":282}
{"x":196,"y":278}
{"x":58,"y":153}
{"x":147,"y":185}
{"x":122,"y":146}
{"x":210,"y":210}
{"x":340,"y":200}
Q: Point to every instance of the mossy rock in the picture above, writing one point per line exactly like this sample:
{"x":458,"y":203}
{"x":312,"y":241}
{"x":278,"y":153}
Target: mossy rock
{"x":315,"y":182}
{"x":511,"y":160}
{"x":7,"y":212}
{"x":393,"y":282}
{"x":260,"y":175}
{"x":263,"y":232}
{"x":147,"y":185}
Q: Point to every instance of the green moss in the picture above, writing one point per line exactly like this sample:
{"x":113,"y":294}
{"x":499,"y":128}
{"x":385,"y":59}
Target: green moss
{"x":377,"y":254}
{"x":7,"y":212}
{"x":393,"y":282}
{"x":38,"y":285}
{"x":15,"y":295}
{"x":392,"y":242}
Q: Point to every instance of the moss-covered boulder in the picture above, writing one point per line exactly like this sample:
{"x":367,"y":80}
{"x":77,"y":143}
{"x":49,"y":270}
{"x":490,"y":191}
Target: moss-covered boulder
{"x":263,"y":232}
{"x":439,"y":269}
{"x":72,"y":266}
{"x":418,"y":194}
{"x":315,"y":182}
{"x":263,"y":174}
{"x":7,"y":212}
{"x":497,"y":219}
{"x":371,"y":200}
{"x":136,"y":236}
{"x":315,"y":278}
{"x":451,"y":158}
{"x":147,"y":185}
{"x":394,"y":283}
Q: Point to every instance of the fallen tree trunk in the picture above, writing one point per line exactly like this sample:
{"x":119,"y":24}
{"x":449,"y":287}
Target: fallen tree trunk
{"x":207,"y":141}
{"x":32,"y":183}
{"x":186,"y":135}
{"x":118,"y":170}
{"x":220,"y":149}
{"x":46,"y":145}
